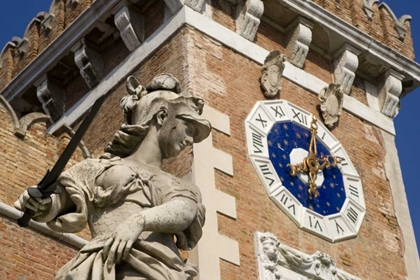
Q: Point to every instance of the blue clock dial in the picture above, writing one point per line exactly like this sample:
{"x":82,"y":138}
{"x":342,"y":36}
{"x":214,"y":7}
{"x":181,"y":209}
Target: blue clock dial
{"x":285,"y":137}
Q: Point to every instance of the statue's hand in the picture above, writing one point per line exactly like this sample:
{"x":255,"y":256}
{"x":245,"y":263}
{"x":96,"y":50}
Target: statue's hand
{"x":118,"y":246}
{"x":40,"y":206}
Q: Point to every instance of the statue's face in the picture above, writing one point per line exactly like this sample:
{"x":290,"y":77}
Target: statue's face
{"x":179,"y":136}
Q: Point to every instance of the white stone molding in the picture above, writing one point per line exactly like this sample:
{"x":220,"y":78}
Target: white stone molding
{"x":21,"y":126}
{"x":390,"y":89}
{"x":345,"y":66}
{"x":227,"y":38}
{"x":331,"y":103}
{"x":131,"y":27}
{"x":174,"y":5}
{"x":89,"y":61}
{"x":398,"y":22}
{"x":68,"y":238}
{"x":206,"y":159}
{"x":279,"y":261}
{"x":402,"y":212}
{"x":367,"y":7}
{"x":299,"y":39}
{"x":272,"y":72}
{"x":249,"y":14}
{"x":51,"y":97}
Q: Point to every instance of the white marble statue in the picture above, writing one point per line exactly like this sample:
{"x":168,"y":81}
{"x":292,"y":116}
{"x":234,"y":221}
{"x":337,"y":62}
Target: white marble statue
{"x":139,"y":215}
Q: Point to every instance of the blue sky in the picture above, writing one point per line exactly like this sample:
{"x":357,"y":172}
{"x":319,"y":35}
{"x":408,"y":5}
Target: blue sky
{"x":16,"y":14}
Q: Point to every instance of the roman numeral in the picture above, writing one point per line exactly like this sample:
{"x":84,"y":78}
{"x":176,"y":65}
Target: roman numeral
{"x":257,"y":142}
{"x":278,"y":111}
{"x":323,"y":135}
{"x":352,"y":215}
{"x":285,"y":199}
{"x":292,"y":207}
{"x":315,"y":223}
{"x":344,"y":162}
{"x":261,"y":120}
{"x":300,"y":117}
{"x":266,"y":172}
{"x":338,"y":227}
{"x":354,"y":191}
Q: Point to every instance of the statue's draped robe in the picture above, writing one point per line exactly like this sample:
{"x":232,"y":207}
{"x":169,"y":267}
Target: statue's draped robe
{"x":154,"y":255}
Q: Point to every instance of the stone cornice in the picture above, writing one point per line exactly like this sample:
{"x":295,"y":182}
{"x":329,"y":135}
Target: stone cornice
{"x":58,"y":48}
{"x":410,"y":69}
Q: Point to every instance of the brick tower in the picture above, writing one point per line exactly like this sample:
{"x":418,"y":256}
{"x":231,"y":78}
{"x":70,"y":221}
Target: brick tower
{"x":276,"y":75}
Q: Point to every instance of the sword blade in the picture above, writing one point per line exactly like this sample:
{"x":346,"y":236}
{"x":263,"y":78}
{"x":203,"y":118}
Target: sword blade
{"x":46,"y":187}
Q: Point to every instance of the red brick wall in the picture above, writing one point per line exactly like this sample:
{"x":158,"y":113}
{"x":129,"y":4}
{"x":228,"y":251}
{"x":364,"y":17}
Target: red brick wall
{"x":374,"y":254}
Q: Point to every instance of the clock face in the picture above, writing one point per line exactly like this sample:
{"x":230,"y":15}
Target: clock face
{"x":279,"y":137}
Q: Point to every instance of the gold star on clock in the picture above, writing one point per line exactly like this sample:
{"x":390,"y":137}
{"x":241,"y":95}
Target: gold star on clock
{"x":285,"y":126}
{"x":281,"y":165}
{"x":338,"y":195}
{"x":328,"y":204}
{"x":298,"y":136}
{"x":285,"y":142}
{"x":273,"y":155}
{"x":324,"y":187}
{"x":332,"y":185}
{"x":270,"y":143}
{"x":292,"y":184}
{"x":300,"y":188}
{"x":284,"y":156}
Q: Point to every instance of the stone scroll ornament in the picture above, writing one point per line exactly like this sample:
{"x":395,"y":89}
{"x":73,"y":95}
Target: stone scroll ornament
{"x":278,"y":261}
{"x":331,"y":103}
{"x":272,"y":72}
{"x":139,"y":216}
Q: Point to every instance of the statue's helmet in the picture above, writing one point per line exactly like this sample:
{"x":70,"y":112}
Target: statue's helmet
{"x":164,"y":93}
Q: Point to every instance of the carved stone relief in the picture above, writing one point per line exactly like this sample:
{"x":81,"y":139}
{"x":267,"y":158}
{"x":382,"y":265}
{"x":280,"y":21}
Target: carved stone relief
{"x":390,"y":89}
{"x":51,"y":97}
{"x":89,"y":62}
{"x":278,"y":261}
{"x":249,"y":16}
{"x":345,"y":66}
{"x":131,"y":27}
{"x":272,"y":72}
{"x":300,"y":37}
{"x":331,"y":103}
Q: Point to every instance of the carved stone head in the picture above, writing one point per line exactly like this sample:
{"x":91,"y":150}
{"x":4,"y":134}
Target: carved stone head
{"x":162,"y":95}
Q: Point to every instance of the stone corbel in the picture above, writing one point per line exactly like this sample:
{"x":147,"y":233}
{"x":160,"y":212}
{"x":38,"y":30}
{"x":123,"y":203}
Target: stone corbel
{"x":89,"y":62}
{"x":131,"y":27}
{"x":248,"y":20}
{"x":346,"y":62}
{"x":367,"y":7}
{"x":390,"y":89}
{"x":51,"y":96}
{"x":174,"y":5}
{"x":196,"y":5}
{"x":300,"y":37}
